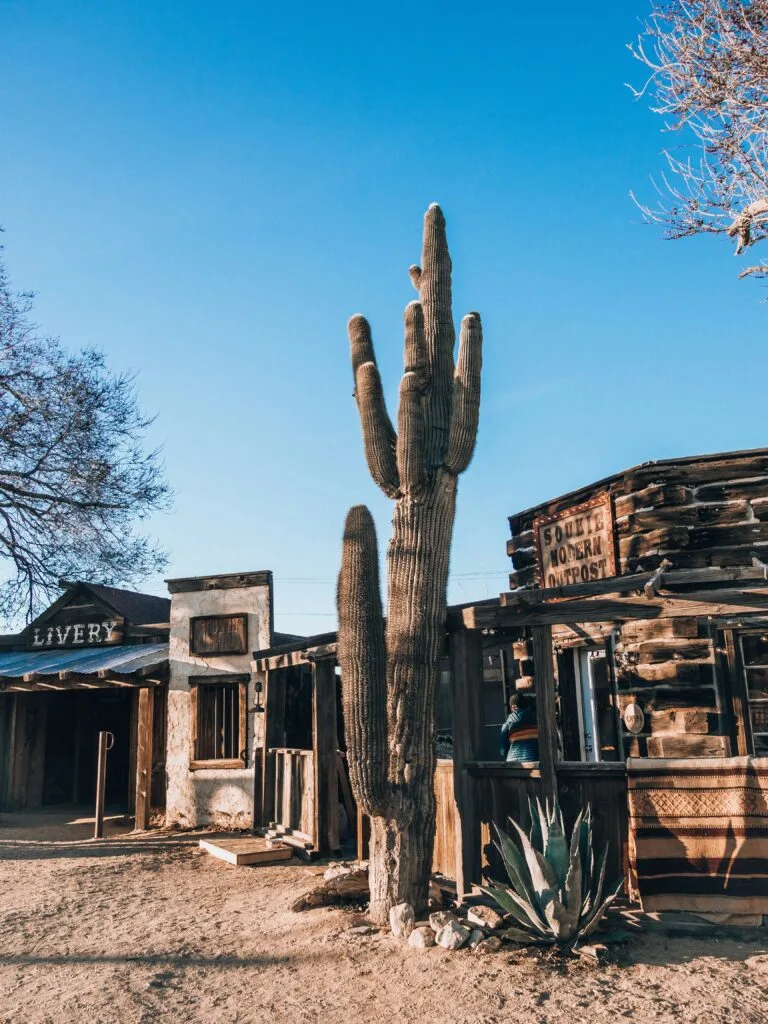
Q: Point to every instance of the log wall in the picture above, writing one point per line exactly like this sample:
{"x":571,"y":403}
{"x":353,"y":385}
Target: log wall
{"x":702,"y":512}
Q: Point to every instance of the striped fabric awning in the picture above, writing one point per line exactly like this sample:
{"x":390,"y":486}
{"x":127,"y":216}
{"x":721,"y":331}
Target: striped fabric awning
{"x":119,"y":663}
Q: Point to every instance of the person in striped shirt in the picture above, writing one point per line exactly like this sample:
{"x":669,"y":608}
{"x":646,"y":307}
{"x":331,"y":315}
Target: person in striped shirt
{"x":520,"y":734}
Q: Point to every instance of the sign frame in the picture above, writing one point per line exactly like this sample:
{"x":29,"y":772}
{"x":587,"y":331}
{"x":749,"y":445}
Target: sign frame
{"x":603,"y":501}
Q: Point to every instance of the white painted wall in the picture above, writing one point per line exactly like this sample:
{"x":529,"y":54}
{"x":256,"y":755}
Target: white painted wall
{"x":217,"y":796}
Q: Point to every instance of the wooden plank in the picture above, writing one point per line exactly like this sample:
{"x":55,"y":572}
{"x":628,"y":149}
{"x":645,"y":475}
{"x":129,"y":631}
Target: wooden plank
{"x":546,"y":715}
{"x":467,"y":679}
{"x":144,"y":758}
{"x":324,"y":747}
{"x":346,"y":791}
{"x":274,"y":736}
{"x":246,"y":851}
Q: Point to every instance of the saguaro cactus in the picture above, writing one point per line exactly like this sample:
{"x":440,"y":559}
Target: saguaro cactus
{"x":390,"y":674}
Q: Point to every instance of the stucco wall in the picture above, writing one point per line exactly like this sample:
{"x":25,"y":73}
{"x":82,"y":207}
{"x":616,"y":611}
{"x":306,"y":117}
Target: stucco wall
{"x":219,"y":796}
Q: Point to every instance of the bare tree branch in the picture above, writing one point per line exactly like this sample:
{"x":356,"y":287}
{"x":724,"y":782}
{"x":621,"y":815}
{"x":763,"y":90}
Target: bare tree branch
{"x":708,"y":79}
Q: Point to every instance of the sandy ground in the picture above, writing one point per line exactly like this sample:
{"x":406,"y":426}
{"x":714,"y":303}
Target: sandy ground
{"x":148,"y":928}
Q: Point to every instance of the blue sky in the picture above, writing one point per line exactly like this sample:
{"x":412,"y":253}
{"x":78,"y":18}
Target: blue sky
{"x":207,"y":191}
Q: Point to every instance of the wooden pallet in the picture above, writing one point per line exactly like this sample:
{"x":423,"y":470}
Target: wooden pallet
{"x":246,"y":851}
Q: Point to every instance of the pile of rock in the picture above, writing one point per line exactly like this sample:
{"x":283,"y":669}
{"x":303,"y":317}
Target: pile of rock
{"x":445,"y":928}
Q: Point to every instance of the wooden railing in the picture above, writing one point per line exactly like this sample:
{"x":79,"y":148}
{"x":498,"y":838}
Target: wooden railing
{"x":294,"y":792}
{"x":500,"y":791}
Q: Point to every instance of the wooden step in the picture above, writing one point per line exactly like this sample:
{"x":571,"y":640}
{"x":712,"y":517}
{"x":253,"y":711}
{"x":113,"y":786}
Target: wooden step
{"x":246,"y":851}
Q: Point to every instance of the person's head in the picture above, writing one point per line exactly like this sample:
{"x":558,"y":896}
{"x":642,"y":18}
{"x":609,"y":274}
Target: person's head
{"x":518,"y":700}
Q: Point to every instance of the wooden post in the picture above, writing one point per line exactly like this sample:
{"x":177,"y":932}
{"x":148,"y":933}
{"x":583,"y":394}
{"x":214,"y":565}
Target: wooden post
{"x":324,"y":748}
{"x":144,"y":758}
{"x":546,"y":716}
{"x":274,"y":736}
{"x":467,"y":680}
{"x":106,"y":741}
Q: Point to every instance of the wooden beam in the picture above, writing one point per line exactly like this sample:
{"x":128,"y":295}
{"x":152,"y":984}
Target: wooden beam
{"x":325,"y":759}
{"x":727,"y":601}
{"x":467,"y":682}
{"x":634,"y":582}
{"x":274,"y":736}
{"x":546,"y":715}
{"x":144,"y":758}
{"x":653,"y":585}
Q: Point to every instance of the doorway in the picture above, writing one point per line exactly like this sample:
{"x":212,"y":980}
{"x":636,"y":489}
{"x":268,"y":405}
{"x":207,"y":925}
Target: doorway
{"x":74,"y":720}
{"x":595,"y":701}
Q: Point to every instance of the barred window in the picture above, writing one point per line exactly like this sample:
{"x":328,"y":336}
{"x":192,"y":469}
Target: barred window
{"x":219,"y":717}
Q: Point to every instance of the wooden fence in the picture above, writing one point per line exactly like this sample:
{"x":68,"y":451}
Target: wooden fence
{"x":501,"y":791}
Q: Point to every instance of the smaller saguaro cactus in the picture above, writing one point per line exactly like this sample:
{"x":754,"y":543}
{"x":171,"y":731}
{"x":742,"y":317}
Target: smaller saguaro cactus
{"x":390,"y":673}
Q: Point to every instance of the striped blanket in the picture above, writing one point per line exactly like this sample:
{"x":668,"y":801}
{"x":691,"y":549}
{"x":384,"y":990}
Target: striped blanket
{"x":698,"y":834}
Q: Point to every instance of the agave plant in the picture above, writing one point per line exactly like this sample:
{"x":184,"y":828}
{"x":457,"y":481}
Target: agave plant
{"x":557,"y":895}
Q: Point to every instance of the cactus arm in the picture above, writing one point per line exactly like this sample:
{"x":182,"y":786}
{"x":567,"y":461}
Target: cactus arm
{"x":410,"y":439}
{"x":416,"y":343}
{"x":466,"y":396}
{"x":362,"y":653}
{"x":435,"y":292}
{"x":379,"y":437}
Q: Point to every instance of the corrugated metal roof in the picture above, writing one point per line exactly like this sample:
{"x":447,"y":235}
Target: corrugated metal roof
{"x":121,"y":658}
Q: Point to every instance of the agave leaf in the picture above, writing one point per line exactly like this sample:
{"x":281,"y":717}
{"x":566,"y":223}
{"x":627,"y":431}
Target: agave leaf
{"x":541,"y":873}
{"x":523,"y":937}
{"x":597,"y":890}
{"x":520,"y":909}
{"x":516,"y":867}
{"x":562,"y":923}
{"x":573,"y":880}
{"x":557,"y":852}
{"x":595,"y":916}
{"x":585,"y":850}
{"x":535,"y":835}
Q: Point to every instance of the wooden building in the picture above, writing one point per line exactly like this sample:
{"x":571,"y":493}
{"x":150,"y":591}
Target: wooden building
{"x":97,"y":659}
{"x":637,"y":618}
{"x":170,"y":679}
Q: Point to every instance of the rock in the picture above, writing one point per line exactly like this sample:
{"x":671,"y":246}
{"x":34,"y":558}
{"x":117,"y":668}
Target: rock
{"x":476,"y":937}
{"x":440,"y":918}
{"x":452,"y":935}
{"x":338,"y":871}
{"x":401,"y":920}
{"x":489,"y":945}
{"x":361,"y":929}
{"x":421,"y":938}
{"x":484,"y":917}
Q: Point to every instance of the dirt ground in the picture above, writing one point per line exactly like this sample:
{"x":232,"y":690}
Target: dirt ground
{"x":147,"y":928}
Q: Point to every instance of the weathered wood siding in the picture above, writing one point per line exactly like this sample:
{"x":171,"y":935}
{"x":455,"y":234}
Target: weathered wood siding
{"x":503,"y":791}
{"x":702,"y":512}
{"x":708,"y":511}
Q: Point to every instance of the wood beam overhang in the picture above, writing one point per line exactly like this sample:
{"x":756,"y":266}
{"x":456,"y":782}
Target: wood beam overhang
{"x":665,"y":605}
{"x":289,"y":659}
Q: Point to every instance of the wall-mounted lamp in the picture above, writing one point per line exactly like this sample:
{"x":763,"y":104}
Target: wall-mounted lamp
{"x":258,"y":706}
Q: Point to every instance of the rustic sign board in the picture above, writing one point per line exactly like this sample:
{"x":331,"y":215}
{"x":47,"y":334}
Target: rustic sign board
{"x":577,"y":544}
{"x":75,"y":627}
{"x":218,"y":634}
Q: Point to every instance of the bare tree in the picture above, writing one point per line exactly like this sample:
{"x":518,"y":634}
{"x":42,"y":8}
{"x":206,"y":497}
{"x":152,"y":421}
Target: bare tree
{"x":73,"y":473}
{"x":708,"y":64}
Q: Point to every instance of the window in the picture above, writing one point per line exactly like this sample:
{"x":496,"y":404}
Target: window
{"x":754,"y":650}
{"x":219,"y":721}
